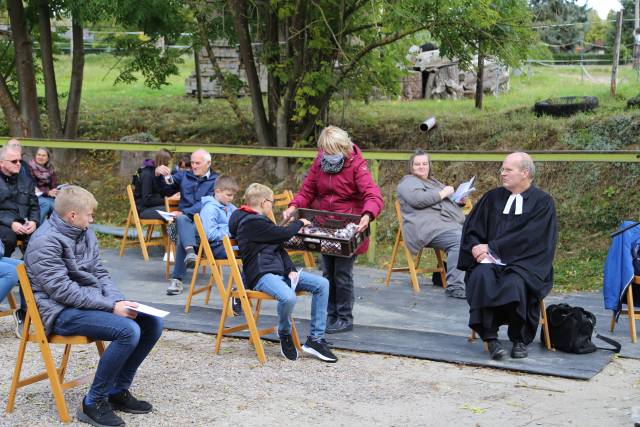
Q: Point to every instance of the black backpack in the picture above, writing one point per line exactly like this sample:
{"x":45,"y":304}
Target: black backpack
{"x":571,"y":328}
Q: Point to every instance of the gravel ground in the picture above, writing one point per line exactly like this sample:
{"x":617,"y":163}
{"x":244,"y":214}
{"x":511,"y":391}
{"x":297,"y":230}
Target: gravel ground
{"x":189,"y":385}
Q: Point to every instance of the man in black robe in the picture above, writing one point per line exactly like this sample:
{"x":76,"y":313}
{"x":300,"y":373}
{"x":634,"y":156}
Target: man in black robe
{"x":507,"y":249}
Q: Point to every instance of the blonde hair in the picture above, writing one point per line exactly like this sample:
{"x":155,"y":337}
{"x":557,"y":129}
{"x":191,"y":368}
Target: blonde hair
{"x":334,"y":140}
{"x":256,"y":193}
{"x":74,"y":198}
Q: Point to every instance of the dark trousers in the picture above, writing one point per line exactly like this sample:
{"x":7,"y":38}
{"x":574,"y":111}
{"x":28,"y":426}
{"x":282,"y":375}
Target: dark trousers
{"x":494,"y":317}
{"x":131,"y":342}
{"x":9,"y":239}
{"x":339,"y":272}
{"x":150,"y":213}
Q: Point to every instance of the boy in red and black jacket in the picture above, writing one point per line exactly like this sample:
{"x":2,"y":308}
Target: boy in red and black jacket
{"x":268,"y":268}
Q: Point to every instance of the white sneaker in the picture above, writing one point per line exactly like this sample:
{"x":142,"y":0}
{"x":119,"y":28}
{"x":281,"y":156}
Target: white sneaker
{"x":175,"y":287}
{"x":170,"y":255}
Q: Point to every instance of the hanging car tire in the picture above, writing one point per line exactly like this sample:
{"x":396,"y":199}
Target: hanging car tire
{"x":565,"y":106}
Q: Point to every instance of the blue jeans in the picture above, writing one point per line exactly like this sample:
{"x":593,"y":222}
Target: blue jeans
{"x":276,"y":286}
{"x":186,"y":237}
{"x":131,"y":342}
{"x":46,"y":207}
{"x":9,"y":278}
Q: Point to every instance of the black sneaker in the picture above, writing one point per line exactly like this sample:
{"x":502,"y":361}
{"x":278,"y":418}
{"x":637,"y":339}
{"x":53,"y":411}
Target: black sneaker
{"x":126,"y":402}
{"x":18,"y":318}
{"x":100,"y":414}
{"x":519,"y":350}
{"x":319,"y":349}
{"x":287,"y":348}
{"x":495,"y":349}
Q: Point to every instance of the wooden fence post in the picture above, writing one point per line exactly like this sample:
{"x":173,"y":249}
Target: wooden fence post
{"x":616,"y":54}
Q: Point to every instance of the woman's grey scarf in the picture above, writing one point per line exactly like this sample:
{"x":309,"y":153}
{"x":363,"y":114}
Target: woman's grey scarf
{"x":332,"y":163}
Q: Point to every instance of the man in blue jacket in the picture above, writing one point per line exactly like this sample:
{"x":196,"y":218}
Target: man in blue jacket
{"x":192,"y":185}
{"x":76,"y":296}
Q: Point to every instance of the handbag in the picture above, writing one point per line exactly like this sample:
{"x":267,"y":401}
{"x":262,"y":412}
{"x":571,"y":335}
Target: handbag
{"x":571,"y":329}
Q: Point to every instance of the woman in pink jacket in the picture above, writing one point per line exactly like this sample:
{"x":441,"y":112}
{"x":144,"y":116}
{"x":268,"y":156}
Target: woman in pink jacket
{"x":339,"y":181}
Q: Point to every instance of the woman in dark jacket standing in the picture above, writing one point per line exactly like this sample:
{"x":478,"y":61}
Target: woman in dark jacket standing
{"x":45,"y":180}
{"x":339,"y":181}
{"x":148,"y":191}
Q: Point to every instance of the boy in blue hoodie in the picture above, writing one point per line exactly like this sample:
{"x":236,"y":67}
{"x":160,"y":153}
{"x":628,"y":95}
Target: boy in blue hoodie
{"x":214,"y":214}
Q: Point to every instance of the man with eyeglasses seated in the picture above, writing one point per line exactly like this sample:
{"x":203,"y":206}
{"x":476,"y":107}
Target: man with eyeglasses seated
{"x":507,"y":249}
{"x":19,"y":209}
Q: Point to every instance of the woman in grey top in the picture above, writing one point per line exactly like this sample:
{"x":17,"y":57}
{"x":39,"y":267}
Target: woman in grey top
{"x":431,"y":218}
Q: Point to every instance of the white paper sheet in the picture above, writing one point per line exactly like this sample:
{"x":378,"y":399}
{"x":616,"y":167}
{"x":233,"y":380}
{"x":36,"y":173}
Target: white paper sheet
{"x":490,"y":259}
{"x":464,"y":190}
{"x":295,"y":279}
{"x":167,"y":216}
{"x":147,"y":309}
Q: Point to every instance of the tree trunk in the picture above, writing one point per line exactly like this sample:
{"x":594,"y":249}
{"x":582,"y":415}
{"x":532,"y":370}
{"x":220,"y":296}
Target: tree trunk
{"x":24,"y":68}
{"x":480,"y":78}
{"x":282,"y":138}
{"x":231,"y":97}
{"x":262,"y":126}
{"x":46,"y":52}
{"x":72,"y":115}
{"x":17,"y":126}
{"x":274,"y":87}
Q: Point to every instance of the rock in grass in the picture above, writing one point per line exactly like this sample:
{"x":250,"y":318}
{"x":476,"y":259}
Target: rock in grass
{"x":634,"y":102}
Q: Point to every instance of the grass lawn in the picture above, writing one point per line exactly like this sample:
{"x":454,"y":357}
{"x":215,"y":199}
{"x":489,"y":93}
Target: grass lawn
{"x":591,"y":199}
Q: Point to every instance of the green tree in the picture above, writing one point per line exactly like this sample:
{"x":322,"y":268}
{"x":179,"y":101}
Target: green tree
{"x":598,"y":28}
{"x":20,"y":66}
{"x":559,"y":15}
{"x":626,"y":41}
{"x":315,"y":49}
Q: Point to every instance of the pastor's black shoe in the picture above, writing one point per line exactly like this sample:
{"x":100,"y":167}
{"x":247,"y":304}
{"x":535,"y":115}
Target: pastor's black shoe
{"x":519,"y":350}
{"x":339,"y":326}
{"x":495,"y":349}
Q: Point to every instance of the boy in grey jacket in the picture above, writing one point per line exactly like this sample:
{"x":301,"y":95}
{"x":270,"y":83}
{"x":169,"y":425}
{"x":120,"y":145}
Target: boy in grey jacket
{"x":76,"y":296}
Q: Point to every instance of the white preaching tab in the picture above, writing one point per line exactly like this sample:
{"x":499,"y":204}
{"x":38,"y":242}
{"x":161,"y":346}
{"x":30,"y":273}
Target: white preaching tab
{"x":142,"y":308}
{"x":518,"y":199}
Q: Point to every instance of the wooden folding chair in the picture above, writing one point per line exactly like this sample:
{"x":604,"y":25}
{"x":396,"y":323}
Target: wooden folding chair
{"x":251,"y":315}
{"x":543,"y":323}
{"x":413,"y":264}
{"x":150,"y":224}
{"x":12,"y":306}
{"x":215,"y":266}
{"x":55,"y":375}
{"x":629,"y":311}
{"x":282,"y":200}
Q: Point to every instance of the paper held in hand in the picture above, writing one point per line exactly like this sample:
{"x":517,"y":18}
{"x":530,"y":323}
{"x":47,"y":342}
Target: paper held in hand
{"x":295,"y":279}
{"x":142,"y":308}
{"x":463,"y":190}
{"x":167,"y":216}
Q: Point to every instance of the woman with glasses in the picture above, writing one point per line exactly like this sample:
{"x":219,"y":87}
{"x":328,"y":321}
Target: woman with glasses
{"x":339,"y":181}
{"x":431,"y":218}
